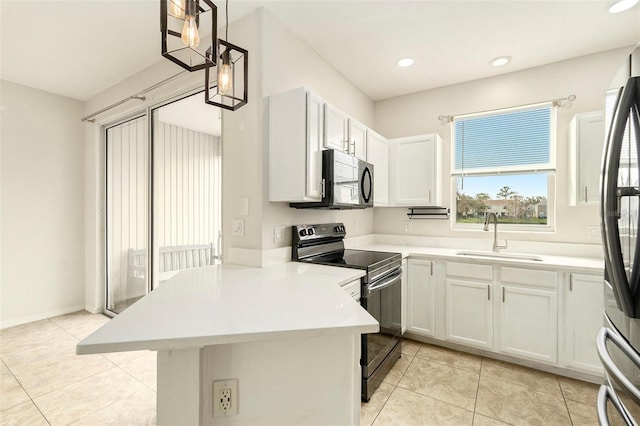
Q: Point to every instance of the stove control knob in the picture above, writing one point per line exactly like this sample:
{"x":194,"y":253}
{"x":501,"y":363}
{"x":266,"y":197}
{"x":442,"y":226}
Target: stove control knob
{"x":303,"y":232}
{"x":311,"y":231}
{"x":337,"y":228}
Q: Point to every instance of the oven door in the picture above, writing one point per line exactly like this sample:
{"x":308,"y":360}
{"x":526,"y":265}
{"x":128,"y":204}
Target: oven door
{"x":382,"y":299}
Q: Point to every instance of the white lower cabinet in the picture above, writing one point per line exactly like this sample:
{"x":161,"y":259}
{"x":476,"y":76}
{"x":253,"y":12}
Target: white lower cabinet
{"x":581,"y":319}
{"x":528,"y":323}
{"x":421,"y":296}
{"x":469,"y":313}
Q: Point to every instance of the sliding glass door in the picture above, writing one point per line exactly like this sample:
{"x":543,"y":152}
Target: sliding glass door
{"x":127,"y":213}
{"x":175,"y":168}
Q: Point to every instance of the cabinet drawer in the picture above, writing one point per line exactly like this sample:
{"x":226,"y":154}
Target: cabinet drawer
{"x":470,"y":270}
{"x":529,"y":277}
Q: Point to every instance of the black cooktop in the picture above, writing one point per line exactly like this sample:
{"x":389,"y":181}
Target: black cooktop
{"x":357,"y":259}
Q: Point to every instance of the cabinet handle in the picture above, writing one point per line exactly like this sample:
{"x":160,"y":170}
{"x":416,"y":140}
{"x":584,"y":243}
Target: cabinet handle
{"x":431,"y":268}
{"x":345,"y":146}
{"x":502,"y":294}
{"x":353,"y":145}
{"x":570,"y":282}
{"x":488,"y":293}
{"x":322,"y":188}
{"x":585,"y":194}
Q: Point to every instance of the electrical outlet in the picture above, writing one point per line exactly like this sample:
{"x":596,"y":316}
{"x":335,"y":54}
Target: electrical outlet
{"x":225,"y":398}
{"x":238,"y":228}
{"x":407,"y":226}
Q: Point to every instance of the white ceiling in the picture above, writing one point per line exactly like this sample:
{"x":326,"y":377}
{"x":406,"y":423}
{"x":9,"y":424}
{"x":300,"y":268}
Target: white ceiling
{"x":79,"y":48}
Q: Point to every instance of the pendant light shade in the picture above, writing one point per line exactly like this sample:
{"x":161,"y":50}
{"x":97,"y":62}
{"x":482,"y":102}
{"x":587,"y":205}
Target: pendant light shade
{"x":226,"y":83}
{"x":189,"y":31}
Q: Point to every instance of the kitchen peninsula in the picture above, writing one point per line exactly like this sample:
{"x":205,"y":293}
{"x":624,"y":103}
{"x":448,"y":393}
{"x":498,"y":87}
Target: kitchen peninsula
{"x":288,"y":333}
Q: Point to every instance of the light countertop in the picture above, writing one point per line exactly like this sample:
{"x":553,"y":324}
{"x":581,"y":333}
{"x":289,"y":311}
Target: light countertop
{"x":233,"y":304}
{"x":565,"y":263}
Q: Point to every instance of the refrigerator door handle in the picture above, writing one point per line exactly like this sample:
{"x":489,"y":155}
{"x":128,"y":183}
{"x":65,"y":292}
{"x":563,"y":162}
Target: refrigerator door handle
{"x":611,"y":195}
{"x":610,"y":366}
{"x":607,"y":394}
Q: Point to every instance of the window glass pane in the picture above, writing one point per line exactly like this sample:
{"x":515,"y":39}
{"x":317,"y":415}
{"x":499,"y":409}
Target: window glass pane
{"x":515,"y":199}
{"x":515,"y":138}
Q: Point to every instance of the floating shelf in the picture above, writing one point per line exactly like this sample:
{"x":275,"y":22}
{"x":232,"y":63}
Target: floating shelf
{"x":429,"y":213}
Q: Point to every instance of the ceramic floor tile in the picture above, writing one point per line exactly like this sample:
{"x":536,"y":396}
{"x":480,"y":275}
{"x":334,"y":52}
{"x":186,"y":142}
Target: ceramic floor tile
{"x":41,"y":377}
{"x":144,"y":368}
{"x":444,"y":383}
{"x":137,"y":409}
{"x":577,"y":390}
{"x":408,"y":408}
{"x":535,"y":380}
{"x":81,"y":324}
{"x":369,"y":410}
{"x":88,"y":395}
{"x":480,"y":420}
{"x":62,"y":347}
{"x":519,"y":405}
{"x":26,"y":337}
{"x":450,"y":357}
{"x":11,"y":393}
{"x":23,"y":414}
{"x":410,"y":347}
{"x":394,"y":376}
{"x":583,"y":414}
{"x":4,"y":371}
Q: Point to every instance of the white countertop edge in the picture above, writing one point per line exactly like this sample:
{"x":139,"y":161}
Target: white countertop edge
{"x":200,"y":342}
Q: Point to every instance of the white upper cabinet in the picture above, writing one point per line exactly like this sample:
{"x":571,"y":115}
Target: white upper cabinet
{"x":416,"y":171}
{"x":296,"y":138}
{"x":336,"y":129}
{"x":378,"y":155}
{"x":358,"y":140}
{"x":586,"y":141}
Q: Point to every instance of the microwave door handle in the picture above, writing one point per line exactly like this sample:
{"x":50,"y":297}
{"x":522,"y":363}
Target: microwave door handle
{"x":611,"y":195}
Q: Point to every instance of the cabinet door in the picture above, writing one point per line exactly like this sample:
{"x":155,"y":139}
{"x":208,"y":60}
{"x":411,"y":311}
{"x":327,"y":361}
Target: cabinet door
{"x":403,"y":286}
{"x":528,"y":323}
{"x":582,"y":316}
{"x":469,"y":310}
{"x":358,"y":139}
{"x":315,"y":140}
{"x":378,"y":155}
{"x":335,"y":129}
{"x":416,"y":171}
{"x":421,"y":298}
{"x":587,"y":134}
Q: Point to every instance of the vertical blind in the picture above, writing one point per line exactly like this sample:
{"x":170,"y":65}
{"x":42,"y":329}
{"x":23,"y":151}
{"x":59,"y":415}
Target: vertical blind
{"x":519,"y":140}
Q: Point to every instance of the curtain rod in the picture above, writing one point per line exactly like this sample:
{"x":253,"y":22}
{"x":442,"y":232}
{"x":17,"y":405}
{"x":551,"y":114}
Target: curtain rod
{"x":139,"y":96}
{"x":444,"y":119}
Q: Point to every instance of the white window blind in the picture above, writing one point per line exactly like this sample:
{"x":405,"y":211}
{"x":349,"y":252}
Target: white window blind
{"x":516,"y":140}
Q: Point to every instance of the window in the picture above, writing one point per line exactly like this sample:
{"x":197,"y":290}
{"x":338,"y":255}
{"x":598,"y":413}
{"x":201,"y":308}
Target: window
{"x":504,"y":163}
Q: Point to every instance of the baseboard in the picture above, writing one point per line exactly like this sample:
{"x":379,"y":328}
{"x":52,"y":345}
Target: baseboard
{"x":40,"y":316}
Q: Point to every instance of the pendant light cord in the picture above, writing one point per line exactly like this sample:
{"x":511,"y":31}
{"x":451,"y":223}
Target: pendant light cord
{"x":226,"y":12}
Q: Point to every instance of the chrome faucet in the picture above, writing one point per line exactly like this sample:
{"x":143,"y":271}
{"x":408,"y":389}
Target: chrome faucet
{"x":496,"y":247}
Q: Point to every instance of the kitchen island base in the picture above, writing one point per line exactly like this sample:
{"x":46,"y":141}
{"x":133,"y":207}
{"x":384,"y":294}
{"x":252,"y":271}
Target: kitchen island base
{"x":310,"y":381}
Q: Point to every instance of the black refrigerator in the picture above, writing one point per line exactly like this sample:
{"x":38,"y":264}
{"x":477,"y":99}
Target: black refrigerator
{"x":618,"y":342}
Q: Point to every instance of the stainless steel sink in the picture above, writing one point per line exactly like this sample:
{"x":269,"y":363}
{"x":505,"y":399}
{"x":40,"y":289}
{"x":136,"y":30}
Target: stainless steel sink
{"x":493,"y":255}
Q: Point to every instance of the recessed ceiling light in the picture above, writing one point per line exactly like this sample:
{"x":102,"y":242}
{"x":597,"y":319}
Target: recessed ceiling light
{"x":500,"y":61}
{"x":405,"y":62}
{"x":622,"y":5}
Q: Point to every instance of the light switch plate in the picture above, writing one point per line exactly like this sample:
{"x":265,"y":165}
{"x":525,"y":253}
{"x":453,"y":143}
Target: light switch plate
{"x":278,"y":233}
{"x":238,"y":228}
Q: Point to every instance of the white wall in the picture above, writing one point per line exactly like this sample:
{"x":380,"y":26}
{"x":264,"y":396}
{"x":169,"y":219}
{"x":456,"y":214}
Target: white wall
{"x":587,"y":77}
{"x":42,"y":198}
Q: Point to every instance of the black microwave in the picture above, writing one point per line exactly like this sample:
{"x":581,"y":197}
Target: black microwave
{"x":347,"y":183}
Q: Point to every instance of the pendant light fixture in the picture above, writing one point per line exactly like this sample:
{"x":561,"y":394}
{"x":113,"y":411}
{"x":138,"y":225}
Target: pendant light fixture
{"x":189,"y":32}
{"x":229,"y":91}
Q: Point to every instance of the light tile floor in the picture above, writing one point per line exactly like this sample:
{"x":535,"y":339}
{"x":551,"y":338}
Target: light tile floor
{"x":42,"y":381}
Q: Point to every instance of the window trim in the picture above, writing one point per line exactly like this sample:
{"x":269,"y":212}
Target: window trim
{"x":550,"y":169}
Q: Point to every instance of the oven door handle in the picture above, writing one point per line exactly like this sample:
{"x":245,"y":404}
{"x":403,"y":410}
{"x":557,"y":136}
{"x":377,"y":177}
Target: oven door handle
{"x":390,"y":280}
